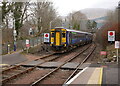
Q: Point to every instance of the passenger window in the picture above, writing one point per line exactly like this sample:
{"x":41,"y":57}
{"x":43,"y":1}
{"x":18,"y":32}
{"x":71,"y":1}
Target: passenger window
{"x":63,"y":35}
{"x":53,"y":34}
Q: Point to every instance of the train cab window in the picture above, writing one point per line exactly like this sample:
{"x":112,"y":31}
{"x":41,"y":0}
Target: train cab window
{"x":53,"y":34}
{"x":63,"y":35}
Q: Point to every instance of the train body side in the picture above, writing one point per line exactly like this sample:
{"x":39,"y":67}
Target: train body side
{"x":77,"y":38}
{"x":64,"y":39}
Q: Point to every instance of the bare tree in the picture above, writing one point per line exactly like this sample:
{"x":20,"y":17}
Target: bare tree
{"x":57,"y":22}
{"x":19,"y":9}
{"x":44,"y":13}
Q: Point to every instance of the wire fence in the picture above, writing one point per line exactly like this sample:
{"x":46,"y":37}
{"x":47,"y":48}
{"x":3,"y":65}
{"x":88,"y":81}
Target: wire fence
{"x":21,"y":45}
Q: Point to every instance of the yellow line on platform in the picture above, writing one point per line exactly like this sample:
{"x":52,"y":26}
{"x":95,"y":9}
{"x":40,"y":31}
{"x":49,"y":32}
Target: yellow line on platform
{"x":4,"y":65}
{"x":96,"y":77}
{"x":100,"y":78}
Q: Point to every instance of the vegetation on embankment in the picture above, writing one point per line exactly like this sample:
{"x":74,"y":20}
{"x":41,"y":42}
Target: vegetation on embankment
{"x":111,"y":24}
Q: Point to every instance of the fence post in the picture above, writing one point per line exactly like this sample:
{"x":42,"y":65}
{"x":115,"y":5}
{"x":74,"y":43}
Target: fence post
{"x":8,"y":48}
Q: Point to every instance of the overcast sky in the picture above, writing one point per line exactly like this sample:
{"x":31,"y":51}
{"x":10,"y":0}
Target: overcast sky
{"x":66,"y":6}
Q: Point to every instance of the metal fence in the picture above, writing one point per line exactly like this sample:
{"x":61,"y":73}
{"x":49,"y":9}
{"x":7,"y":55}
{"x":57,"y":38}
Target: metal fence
{"x":21,"y":44}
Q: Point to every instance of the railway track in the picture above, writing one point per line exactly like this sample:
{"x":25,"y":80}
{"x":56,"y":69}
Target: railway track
{"x":50,"y":74}
{"x":17,"y":66}
{"x":18,"y":70}
{"x":77,"y":68}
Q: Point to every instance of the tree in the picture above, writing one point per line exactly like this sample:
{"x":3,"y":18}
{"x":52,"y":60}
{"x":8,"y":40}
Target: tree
{"x":94,"y":25}
{"x":57,"y":22}
{"x":19,"y":9}
{"x":111,"y":24}
{"x":5,"y":10}
{"x":44,"y":14}
{"x":89,"y":25}
{"x":15,"y":11}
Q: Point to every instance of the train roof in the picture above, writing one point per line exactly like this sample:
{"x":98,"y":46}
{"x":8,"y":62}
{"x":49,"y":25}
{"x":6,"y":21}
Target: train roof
{"x":71,"y":30}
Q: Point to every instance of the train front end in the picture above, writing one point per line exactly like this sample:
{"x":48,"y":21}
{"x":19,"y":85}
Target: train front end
{"x":58,"y":39}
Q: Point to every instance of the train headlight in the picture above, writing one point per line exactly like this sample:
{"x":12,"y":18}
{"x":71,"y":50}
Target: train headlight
{"x":51,"y":42}
{"x":64,"y":44}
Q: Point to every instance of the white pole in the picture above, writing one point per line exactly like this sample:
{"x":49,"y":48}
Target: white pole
{"x":117,"y":55}
{"x":14,"y":34}
{"x":8,"y":49}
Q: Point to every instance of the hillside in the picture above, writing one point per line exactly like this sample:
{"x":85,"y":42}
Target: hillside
{"x":93,"y":13}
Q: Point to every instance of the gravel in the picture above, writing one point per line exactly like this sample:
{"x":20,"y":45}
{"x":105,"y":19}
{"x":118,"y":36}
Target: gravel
{"x":57,"y":78}
{"x":30,"y":77}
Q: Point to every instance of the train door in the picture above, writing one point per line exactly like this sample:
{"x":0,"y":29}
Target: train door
{"x":52,"y":37}
{"x":57,"y":38}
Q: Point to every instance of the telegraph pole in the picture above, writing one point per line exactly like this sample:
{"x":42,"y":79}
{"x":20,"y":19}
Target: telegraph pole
{"x":118,"y":10}
{"x":118,"y":25}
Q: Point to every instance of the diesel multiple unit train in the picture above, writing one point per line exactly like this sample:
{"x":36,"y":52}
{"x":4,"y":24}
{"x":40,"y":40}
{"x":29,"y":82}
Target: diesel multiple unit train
{"x":62,"y":39}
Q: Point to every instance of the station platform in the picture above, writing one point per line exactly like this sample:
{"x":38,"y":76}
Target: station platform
{"x":87,"y":76}
{"x":102,"y":75}
{"x":90,"y":73}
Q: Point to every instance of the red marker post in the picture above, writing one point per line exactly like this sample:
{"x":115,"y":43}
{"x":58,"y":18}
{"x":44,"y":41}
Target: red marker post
{"x":46,"y":38}
{"x":111,"y":36}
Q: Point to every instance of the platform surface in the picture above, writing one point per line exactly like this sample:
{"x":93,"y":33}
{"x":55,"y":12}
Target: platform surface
{"x":13,"y":58}
{"x":87,"y":76}
{"x":97,"y":74}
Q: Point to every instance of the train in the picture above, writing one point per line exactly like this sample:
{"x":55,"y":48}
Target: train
{"x":63,"y":39}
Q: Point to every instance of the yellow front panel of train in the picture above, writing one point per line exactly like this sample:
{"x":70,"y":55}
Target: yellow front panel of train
{"x":63,"y":37}
{"x":57,"y":38}
{"x":52,"y":37}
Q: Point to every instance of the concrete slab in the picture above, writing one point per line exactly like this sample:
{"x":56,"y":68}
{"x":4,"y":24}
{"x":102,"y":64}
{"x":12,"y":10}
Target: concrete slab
{"x":51,"y":64}
{"x":84,"y":65}
{"x":33,"y":63}
{"x":70,"y":65}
